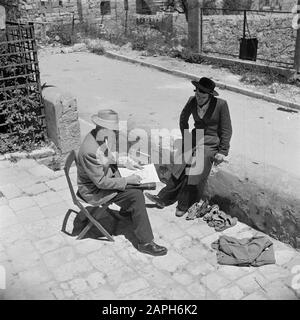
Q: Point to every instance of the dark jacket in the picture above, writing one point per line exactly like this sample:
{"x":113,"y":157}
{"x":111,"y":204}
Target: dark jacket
{"x":97,"y":177}
{"x":216,"y":124}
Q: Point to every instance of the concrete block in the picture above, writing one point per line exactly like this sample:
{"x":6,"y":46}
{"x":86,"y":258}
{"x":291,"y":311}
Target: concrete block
{"x":62,"y":119}
{"x":170,"y":262}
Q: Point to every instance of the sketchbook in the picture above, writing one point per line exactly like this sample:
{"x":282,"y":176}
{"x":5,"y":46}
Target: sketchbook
{"x":148,"y":173}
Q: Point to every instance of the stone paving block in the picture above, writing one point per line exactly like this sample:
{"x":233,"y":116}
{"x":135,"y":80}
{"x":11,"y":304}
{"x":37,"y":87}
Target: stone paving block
{"x":3,"y":256}
{"x":79,"y":285}
{"x":72,"y":269}
{"x":23,"y":255}
{"x":3,"y":201}
{"x":279,"y":291}
{"x":27,"y":180}
{"x":155,"y":277}
{"x":197,"y":232}
{"x":147,"y":294}
{"x":131,"y":286}
{"x":15,"y":177}
{"x":13,"y":233}
{"x":171,"y":232}
{"x":42,"y":172}
{"x":207,"y":241}
{"x":157,"y":222}
{"x":55,"y":209}
{"x":199,"y":268}
{"x":195,"y":252}
{"x":47,"y":198}
{"x":65,"y":194}
{"x":213,"y":281}
{"x":170,"y":262}
{"x":57,"y":184}
{"x":40,"y":229}
{"x":21,"y":203}
{"x":273,"y":272}
{"x":49,"y":244}
{"x":284,"y":256}
{"x":7,"y":217}
{"x":96,"y":279}
{"x":182,"y":243}
{"x":230,"y":293}
{"x":58,"y":294}
{"x":15,"y":292}
{"x":258,"y":295}
{"x":26,"y":164}
{"x":85,"y":246}
{"x":117,"y":276}
{"x":59,"y":257}
{"x":11,"y":191}
{"x":35,"y":189}
{"x":251,"y":282}
{"x":176,"y":292}
{"x":29,"y":214}
{"x":103,"y":294}
{"x":34,"y":276}
{"x":110,"y":262}
{"x":232,"y":272}
{"x":183,"y":278}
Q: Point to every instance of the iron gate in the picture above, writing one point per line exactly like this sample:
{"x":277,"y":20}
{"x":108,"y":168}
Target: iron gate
{"x":19,"y":75}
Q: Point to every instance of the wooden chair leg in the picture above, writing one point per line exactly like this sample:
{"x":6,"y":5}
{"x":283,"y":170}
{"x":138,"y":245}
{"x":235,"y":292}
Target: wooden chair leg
{"x":85,"y":230}
{"x":94,"y":222}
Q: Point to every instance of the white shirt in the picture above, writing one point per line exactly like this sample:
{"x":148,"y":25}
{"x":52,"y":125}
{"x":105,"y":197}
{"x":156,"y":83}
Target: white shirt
{"x":201,"y":111}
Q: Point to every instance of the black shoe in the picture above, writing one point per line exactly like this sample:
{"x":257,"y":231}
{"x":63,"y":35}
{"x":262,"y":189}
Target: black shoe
{"x":153,"y":249}
{"x":155,"y":199}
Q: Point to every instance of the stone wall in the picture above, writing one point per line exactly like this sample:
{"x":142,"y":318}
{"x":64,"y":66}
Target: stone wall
{"x":276,"y":37}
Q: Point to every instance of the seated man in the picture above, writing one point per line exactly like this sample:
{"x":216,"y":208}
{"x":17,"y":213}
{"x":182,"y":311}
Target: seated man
{"x":99,"y":180}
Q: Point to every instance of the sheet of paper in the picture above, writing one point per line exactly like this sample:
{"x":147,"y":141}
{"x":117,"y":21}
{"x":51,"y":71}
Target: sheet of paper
{"x":148,"y":173}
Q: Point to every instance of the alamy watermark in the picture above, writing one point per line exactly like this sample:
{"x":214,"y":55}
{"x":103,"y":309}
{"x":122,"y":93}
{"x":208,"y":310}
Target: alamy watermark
{"x":2,"y":278}
{"x":160,"y":146}
{"x":296,"y":18}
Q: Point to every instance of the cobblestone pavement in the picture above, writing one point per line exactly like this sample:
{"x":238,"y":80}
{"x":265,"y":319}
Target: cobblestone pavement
{"x":41,"y":262}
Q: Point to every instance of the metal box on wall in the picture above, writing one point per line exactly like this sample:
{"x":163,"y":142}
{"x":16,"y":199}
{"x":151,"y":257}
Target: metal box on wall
{"x":248,"y":49}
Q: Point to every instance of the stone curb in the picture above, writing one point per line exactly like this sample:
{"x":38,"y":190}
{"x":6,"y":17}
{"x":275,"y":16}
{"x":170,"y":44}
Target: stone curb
{"x":35,"y":154}
{"x":190,"y":76}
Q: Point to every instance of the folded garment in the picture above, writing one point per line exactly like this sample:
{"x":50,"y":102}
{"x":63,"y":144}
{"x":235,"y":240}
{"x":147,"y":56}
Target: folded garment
{"x":255,"y":251}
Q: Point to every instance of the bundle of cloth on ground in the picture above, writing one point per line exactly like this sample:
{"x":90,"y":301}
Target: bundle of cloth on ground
{"x":256,"y":251}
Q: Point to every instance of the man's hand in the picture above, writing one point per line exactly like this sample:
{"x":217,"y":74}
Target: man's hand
{"x":219,"y":158}
{"x":133,"y":179}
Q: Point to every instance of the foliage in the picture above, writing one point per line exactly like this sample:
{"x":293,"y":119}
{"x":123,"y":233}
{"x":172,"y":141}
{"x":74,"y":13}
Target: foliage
{"x":21,"y":114}
{"x":63,"y":33}
{"x":20,"y":109}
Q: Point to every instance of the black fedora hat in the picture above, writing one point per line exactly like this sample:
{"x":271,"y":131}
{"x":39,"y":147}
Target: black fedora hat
{"x":206,"y":85}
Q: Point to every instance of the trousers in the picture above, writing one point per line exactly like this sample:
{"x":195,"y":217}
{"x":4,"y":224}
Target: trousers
{"x":179,"y":190}
{"x":132,"y":203}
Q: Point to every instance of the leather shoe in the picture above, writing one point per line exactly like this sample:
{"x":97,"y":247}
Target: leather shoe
{"x":153,"y":249}
{"x":180,"y":213}
{"x":155,"y":199}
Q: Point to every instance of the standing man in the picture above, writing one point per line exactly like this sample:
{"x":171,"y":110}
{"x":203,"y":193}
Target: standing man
{"x":212,"y":121}
{"x":99,"y":180}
